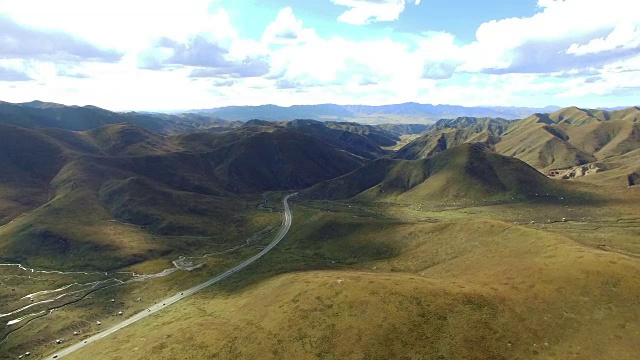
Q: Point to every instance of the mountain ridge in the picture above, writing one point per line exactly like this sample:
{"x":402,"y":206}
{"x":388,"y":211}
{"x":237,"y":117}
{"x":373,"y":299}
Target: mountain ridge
{"x":369,"y":113}
{"x":470,"y":171}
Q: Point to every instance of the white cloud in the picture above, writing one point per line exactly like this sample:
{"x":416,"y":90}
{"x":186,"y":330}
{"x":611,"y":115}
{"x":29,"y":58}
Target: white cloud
{"x":121,"y":24}
{"x":214,"y":51}
{"x":570,"y":49}
{"x":550,"y":40}
{"x":366,"y":11}
{"x":440,"y":55}
{"x":24,"y":42}
{"x":287,"y":29}
{"x":623,"y":36}
{"x":12,"y":74}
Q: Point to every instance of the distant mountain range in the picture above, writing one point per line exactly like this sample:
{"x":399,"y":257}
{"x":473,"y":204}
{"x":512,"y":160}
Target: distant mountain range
{"x":39,"y":114}
{"x":401,"y":113}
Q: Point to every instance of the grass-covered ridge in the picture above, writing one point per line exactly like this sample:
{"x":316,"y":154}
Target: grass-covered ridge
{"x":465,"y":172}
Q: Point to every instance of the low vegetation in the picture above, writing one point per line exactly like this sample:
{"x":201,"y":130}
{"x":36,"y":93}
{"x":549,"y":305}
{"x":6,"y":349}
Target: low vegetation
{"x":454,"y":246}
{"x":387,"y":281}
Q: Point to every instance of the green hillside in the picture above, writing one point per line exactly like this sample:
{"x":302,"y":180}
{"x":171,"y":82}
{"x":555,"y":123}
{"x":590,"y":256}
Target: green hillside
{"x":404,"y":129}
{"x":356,"y":280}
{"x":464,"y":172}
{"x":566,"y":138}
{"x":448,"y":133}
{"x":572,"y":137}
{"x":434,"y":253}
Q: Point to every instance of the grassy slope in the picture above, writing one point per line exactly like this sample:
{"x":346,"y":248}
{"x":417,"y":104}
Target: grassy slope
{"x":532,"y":140}
{"x":468,"y":171}
{"x":404,"y":129}
{"x":572,"y":136}
{"x":563,"y":139}
{"x":457,"y":284}
{"x":130,"y":140}
{"x":429,"y":287}
{"x":448,"y":133}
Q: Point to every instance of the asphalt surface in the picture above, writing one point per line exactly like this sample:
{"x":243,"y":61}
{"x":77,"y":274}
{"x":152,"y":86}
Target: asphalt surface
{"x":286,"y":224}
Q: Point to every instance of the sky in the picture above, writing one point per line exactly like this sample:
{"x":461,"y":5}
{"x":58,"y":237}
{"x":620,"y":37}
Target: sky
{"x":177,"y":55}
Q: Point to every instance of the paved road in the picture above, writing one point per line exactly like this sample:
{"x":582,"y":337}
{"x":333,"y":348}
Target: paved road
{"x":286,"y":224}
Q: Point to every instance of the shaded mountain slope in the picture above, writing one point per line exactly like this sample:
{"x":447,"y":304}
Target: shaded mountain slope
{"x":142,"y":202}
{"x":93,"y":199}
{"x":27,"y":155}
{"x":278,"y":160}
{"x":404,"y":129}
{"x":37,"y":114}
{"x":206,"y":141}
{"x":361,"y":140}
{"x":28,"y":162}
{"x":114,"y":140}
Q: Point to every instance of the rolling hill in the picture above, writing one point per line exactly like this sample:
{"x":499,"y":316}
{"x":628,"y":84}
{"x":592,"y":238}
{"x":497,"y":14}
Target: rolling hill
{"x":447,"y":133}
{"x":468,"y":283}
{"x":572,"y":137}
{"x":470,"y":171}
{"x":565,"y":139}
{"x":445,"y":249}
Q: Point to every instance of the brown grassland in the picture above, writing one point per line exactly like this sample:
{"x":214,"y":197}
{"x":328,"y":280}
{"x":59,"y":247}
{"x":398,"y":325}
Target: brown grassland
{"x":420,"y":281}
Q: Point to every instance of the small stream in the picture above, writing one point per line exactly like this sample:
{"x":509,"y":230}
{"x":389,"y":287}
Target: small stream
{"x":47,"y":301}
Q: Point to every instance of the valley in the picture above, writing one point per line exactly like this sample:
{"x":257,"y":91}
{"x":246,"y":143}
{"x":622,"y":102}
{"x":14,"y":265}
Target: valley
{"x":439,"y":241}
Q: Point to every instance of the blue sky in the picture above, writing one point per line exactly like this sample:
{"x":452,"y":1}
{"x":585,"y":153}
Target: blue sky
{"x":168,"y":55}
{"x":461,"y":17}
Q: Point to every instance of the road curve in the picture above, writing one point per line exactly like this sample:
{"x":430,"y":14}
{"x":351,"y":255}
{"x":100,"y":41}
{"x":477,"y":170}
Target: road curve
{"x":284,"y":228}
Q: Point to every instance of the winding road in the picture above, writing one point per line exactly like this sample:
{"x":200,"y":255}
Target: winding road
{"x":284,"y":228}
